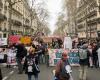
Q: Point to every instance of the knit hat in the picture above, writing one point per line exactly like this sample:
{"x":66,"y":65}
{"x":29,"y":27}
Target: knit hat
{"x":64,"y":55}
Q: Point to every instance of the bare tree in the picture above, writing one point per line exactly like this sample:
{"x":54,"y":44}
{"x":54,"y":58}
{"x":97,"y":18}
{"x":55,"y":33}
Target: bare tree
{"x":60,"y":24}
{"x":38,"y":11}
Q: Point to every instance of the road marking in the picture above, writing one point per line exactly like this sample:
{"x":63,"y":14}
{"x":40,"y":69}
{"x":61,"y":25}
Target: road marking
{"x":11,"y":72}
{"x":6,"y":77}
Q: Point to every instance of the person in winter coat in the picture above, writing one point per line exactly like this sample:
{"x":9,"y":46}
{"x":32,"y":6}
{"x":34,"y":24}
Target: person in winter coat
{"x":90,"y":56}
{"x":21,"y":53}
{"x":59,"y":71}
{"x":99,"y":55}
{"x":95,"y":55}
{"x":83,"y":61}
{"x":31,"y":64}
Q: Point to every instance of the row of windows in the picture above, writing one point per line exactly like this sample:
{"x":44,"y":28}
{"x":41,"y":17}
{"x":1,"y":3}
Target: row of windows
{"x":3,"y":35}
{"x":87,"y":10}
{"x":19,"y":8}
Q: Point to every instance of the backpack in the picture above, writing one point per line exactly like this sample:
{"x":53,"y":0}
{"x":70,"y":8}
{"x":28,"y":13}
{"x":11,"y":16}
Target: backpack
{"x":83,"y":53}
{"x":63,"y":71}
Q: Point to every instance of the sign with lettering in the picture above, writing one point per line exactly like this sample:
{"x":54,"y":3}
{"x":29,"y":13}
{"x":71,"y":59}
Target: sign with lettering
{"x":13,"y":39}
{"x":25,"y":39}
{"x":3,"y":41}
{"x":55,"y":56}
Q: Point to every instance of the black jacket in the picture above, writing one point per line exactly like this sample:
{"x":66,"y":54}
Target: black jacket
{"x":32,"y":60}
{"x":21,"y":51}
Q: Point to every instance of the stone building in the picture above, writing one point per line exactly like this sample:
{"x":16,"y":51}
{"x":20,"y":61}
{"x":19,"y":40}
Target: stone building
{"x":88,"y":18}
{"x":21,"y":22}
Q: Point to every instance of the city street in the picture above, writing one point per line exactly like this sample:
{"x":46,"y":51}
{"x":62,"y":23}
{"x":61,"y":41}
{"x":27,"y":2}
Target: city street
{"x":46,"y":74}
{"x":46,"y":31}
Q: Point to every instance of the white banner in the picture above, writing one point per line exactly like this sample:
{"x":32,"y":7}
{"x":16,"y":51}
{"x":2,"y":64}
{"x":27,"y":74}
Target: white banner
{"x":3,"y":41}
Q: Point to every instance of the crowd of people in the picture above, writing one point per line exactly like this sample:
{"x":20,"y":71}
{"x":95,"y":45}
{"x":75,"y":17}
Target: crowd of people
{"x":37,"y":53}
{"x":93,"y":52}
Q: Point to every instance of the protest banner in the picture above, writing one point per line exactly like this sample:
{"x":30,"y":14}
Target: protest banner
{"x":47,"y":39}
{"x":11,"y":57}
{"x":3,"y":41}
{"x":55,"y":56}
{"x":13,"y":39}
{"x":25,"y":39}
{"x":74,"y":57}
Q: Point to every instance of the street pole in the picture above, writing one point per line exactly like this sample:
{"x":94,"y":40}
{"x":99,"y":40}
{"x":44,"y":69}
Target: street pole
{"x":9,"y":19}
{"x":23,"y":20}
{"x":90,"y":32}
{"x":86,"y":29}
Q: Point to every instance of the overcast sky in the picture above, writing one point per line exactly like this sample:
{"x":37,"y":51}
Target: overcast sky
{"x":54,"y":7}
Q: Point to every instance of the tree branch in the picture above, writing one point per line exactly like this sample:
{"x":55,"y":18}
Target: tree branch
{"x":16,"y":2}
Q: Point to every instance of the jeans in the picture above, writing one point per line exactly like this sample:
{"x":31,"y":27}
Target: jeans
{"x":83,"y":72}
{"x":30,"y":77}
{"x":20,"y":66}
{"x":95,"y":61}
{"x":47,"y":59}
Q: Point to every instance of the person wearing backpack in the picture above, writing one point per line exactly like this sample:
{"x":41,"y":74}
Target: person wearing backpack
{"x":31,"y":64}
{"x":60,"y":72}
{"x":83,"y":61}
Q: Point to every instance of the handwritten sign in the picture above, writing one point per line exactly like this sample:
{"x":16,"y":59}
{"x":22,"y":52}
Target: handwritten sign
{"x":55,"y":56}
{"x":3,"y":41}
{"x":25,"y":40}
{"x":13,"y":39}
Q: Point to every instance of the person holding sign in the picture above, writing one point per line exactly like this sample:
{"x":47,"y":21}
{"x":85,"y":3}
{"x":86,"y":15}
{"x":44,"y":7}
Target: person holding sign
{"x":67,"y":42}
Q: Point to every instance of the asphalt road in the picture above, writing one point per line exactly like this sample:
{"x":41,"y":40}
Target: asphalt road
{"x":46,"y":73}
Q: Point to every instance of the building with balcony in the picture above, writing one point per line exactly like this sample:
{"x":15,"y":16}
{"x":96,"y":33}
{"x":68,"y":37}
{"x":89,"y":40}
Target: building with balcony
{"x":88,"y":18}
{"x":71,"y":6}
{"x":21,"y":22}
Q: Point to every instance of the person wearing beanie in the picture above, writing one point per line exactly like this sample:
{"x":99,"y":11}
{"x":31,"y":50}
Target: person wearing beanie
{"x":60,"y":68}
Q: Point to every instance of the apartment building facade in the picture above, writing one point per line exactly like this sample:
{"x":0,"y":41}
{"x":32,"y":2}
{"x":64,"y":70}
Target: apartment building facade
{"x":88,"y":18}
{"x":21,"y":18}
